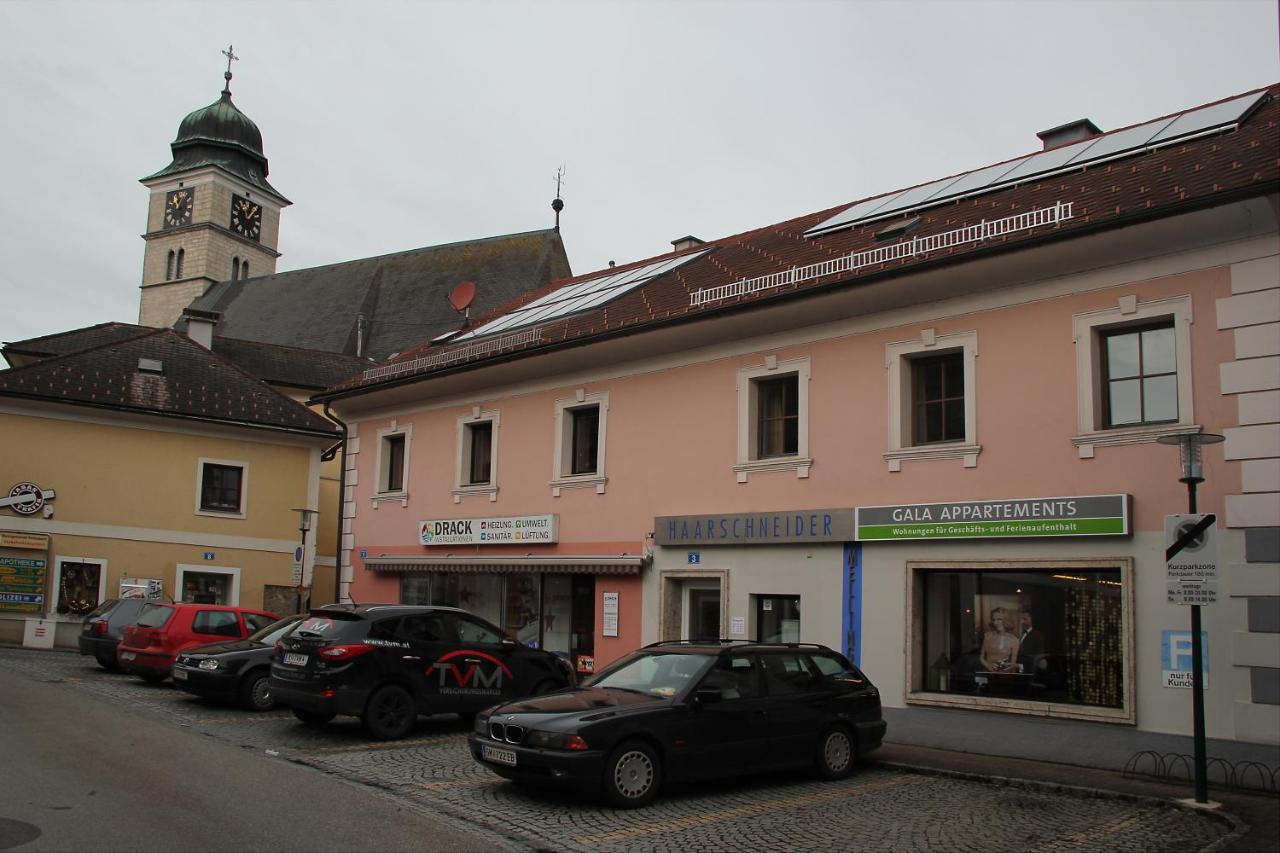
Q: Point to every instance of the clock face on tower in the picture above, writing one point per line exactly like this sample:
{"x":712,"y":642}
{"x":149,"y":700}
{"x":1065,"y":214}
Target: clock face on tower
{"x":177,"y":208}
{"x":246,"y":217}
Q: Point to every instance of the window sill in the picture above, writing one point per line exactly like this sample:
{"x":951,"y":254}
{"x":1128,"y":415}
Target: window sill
{"x":1086,"y":442}
{"x":383,"y":497}
{"x":1059,"y":710}
{"x":460,"y":492}
{"x":582,"y":481}
{"x":799,"y":464}
{"x":967,"y":452}
{"x":215,"y":513}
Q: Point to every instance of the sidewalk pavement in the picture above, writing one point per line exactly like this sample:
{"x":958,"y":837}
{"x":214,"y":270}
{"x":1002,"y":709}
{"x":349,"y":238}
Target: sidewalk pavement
{"x":1257,"y":816}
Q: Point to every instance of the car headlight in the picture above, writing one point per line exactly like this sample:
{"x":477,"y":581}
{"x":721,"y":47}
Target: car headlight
{"x":208,"y":663}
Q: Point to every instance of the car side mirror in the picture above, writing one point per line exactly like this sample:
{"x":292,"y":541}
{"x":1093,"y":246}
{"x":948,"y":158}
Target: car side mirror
{"x":509,"y":643}
{"x":707,"y":696}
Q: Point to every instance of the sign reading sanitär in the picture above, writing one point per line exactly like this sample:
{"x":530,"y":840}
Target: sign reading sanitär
{"x":519,"y":529}
{"x":1082,"y":515}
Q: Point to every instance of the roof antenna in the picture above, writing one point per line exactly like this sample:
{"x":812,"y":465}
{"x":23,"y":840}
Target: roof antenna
{"x":461,"y":297}
{"x":230,"y":54}
{"x":557,"y":204}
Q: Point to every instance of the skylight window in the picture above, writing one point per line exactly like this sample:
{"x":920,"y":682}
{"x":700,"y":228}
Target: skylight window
{"x":581,"y":296}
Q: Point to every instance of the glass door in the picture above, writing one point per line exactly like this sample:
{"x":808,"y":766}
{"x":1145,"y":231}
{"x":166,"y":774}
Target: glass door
{"x":704,"y":615}
{"x":777,"y":619}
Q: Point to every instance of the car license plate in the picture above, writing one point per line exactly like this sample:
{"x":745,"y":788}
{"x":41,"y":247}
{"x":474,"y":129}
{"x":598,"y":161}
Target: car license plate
{"x":498,"y":756}
{"x":127,"y":656}
{"x":179,"y":674}
{"x":295,"y":659}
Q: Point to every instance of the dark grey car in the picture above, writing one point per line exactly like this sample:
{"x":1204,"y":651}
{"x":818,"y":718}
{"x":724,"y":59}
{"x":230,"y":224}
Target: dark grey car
{"x":101,"y":630}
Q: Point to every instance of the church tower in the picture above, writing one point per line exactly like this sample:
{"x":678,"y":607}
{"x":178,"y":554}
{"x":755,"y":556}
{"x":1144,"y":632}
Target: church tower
{"x":212,"y":215}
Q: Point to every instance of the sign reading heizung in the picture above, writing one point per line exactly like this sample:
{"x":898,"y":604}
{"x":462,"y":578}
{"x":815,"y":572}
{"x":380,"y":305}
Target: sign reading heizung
{"x":1089,"y":515}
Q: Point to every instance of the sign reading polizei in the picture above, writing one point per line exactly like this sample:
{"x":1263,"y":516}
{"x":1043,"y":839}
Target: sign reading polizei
{"x":1191,"y":559}
{"x":1081,"y":515}
{"x":516,"y":529}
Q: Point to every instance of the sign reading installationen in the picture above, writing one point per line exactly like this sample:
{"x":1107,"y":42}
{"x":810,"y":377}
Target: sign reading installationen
{"x":1085,"y":515}
{"x":518,"y":529}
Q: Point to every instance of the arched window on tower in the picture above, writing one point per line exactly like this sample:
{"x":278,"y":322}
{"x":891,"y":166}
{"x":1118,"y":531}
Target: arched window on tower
{"x":168,"y":268}
{"x":235,"y":268}
{"x":244,"y":268}
{"x":177,"y":273}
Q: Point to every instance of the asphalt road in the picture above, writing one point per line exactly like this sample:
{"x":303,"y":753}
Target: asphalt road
{"x":77,"y":773}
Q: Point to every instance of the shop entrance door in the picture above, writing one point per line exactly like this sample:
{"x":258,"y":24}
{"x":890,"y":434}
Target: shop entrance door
{"x":702,"y":612}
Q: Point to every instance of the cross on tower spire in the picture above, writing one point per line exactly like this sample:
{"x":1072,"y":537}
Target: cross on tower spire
{"x":230,"y":54}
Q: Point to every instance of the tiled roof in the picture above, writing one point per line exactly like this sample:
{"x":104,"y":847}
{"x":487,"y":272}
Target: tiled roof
{"x":403,"y":297}
{"x":64,"y":343}
{"x":1165,"y":181}
{"x":191,"y":383}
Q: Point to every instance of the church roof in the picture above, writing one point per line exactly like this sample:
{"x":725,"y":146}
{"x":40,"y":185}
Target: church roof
{"x":220,"y":135}
{"x":162,"y":373}
{"x":403,"y":297}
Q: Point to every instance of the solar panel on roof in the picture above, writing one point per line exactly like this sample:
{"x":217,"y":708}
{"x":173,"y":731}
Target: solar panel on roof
{"x":1190,"y":123}
{"x":581,"y":295}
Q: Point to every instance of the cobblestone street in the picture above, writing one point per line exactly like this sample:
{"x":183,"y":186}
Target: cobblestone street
{"x":879,"y":808}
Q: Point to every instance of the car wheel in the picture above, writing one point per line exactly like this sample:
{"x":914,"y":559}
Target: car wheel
{"x":109,"y":664}
{"x":835,"y":753}
{"x":313,"y":718}
{"x":390,"y":714}
{"x":255,"y":692}
{"x":632,"y":775}
{"x":153,"y":677}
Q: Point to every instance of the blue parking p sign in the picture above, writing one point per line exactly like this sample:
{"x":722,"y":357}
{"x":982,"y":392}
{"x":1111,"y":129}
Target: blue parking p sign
{"x":1175,"y":658}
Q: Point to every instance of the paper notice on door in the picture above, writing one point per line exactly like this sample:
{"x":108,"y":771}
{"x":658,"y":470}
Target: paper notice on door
{"x":737,"y":626}
{"x":610,"y":614}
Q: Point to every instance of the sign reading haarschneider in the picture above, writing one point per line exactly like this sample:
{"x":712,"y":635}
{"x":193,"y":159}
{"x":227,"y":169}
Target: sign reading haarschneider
{"x":754,"y":528}
{"x":1086,"y":515}
{"x":517,"y":529}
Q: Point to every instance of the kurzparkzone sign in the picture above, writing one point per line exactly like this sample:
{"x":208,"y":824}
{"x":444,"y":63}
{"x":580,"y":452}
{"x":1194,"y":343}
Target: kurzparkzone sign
{"x":1082,"y":515}
{"x":522,"y":529}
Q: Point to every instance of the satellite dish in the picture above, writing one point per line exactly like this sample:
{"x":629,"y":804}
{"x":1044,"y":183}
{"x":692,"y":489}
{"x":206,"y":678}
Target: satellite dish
{"x":462,"y":295}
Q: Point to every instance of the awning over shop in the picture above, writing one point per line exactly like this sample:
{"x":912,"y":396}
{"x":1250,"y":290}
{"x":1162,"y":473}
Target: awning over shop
{"x":587,"y":564}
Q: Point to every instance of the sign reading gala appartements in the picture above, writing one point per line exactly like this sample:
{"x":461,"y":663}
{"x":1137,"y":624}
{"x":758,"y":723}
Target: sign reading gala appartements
{"x":1085,"y":515}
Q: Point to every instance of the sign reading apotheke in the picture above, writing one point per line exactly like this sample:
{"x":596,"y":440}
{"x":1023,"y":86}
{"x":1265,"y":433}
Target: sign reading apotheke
{"x":521,"y":529}
{"x":1084,"y":515}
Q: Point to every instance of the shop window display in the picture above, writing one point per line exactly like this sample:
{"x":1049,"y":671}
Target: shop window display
{"x":1053,"y":635}
{"x":78,"y":585}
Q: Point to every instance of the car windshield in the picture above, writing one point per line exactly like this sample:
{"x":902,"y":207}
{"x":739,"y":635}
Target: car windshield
{"x":275,"y":630}
{"x":656,"y":674}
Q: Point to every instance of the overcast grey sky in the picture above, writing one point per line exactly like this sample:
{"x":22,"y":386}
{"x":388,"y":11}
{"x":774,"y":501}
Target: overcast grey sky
{"x":395,"y":125}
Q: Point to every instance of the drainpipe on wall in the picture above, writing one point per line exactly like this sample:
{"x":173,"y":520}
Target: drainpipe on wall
{"x":339,"y":449}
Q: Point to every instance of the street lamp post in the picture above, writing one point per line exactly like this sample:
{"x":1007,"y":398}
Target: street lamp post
{"x":305,"y":518}
{"x":1192,"y":468}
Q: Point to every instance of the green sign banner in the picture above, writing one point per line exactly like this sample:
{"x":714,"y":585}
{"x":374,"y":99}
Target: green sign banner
{"x":1087,"y":515}
{"x":22,"y":584}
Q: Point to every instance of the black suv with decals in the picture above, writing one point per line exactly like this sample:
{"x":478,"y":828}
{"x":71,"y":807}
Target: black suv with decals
{"x":388,"y":663}
{"x":684,"y":710}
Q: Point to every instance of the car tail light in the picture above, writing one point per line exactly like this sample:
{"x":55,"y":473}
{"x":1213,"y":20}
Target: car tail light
{"x":338,"y":653}
{"x":99,"y":627}
{"x":574,"y":742}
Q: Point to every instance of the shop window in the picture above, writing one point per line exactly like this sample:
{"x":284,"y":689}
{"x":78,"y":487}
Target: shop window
{"x":481,"y":594}
{"x":222,"y":487}
{"x":206,"y":585}
{"x":580,"y":443}
{"x":415,"y":590}
{"x":394,"y":444}
{"x":932,"y":385}
{"x":80,"y":585}
{"x":1045,"y":635}
{"x":773,"y":417}
{"x":1140,"y":376}
{"x":1133,"y":373}
{"x":523,"y":620}
{"x":777,"y":618}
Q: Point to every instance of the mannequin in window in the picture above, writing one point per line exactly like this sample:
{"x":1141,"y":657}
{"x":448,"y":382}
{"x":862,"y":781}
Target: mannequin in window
{"x":999,"y":647}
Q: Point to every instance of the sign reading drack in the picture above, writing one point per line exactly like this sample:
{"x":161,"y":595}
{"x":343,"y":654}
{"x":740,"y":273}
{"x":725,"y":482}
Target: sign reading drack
{"x":1085,"y":515}
{"x":519,"y":529}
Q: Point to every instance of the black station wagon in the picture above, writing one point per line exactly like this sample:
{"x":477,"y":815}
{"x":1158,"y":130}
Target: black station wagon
{"x":388,"y":663}
{"x":687,"y":710}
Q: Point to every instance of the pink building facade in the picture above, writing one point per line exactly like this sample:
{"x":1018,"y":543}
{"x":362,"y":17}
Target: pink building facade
{"x":942,"y":462}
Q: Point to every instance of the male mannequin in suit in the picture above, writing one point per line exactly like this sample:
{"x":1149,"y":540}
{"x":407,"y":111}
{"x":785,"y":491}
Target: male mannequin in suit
{"x":1031,"y":646}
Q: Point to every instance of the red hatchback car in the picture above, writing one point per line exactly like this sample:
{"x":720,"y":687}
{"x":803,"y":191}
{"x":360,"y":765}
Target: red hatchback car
{"x":150,"y":645}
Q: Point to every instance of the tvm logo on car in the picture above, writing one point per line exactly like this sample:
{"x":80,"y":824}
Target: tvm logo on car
{"x":470,"y":677}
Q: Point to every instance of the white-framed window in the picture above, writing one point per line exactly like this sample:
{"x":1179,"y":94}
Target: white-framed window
{"x":773,"y":417}
{"x":1133,"y":372}
{"x":207,"y":585}
{"x":477,"y":466}
{"x":580,"y":442}
{"x":394,"y":444}
{"x":932,"y":398}
{"x":222,"y":488}
{"x":79,"y":586}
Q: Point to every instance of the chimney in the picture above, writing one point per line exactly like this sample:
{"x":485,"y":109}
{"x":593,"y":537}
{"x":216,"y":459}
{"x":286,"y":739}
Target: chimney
{"x":200,"y":325}
{"x":686,"y":242}
{"x":1072,"y":131}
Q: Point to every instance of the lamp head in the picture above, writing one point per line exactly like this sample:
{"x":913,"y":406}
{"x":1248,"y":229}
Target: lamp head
{"x":1189,"y":455}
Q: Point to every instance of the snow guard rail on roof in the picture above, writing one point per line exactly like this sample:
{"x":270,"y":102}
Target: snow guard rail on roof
{"x":976,"y":233}
{"x":482,"y":348}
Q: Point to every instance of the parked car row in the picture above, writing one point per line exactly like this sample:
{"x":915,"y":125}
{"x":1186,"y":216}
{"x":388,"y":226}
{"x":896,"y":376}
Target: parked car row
{"x":669,"y":712}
